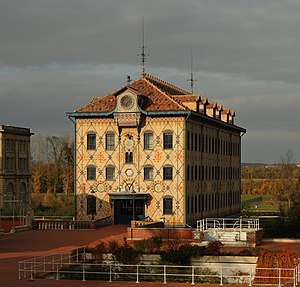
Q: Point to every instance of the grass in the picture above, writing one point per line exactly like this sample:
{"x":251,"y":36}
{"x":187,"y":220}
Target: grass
{"x":269,"y":203}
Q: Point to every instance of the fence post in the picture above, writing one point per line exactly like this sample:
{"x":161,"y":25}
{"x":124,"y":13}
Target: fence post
{"x":137,"y":274}
{"x":83,"y":272}
{"x":25,"y":270}
{"x":44,"y":263}
{"x":250,"y":277}
{"x":193,"y":273}
{"x":221,"y":275}
{"x":61,"y":259}
{"x":31,"y":272}
{"x":165,"y":275}
{"x":279,"y":277}
{"x":295,"y":274}
{"x":70,"y":254}
{"x":110,"y":273}
{"x":34,"y":262}
{"x":53,"y":262}
{"x":57,"y":273}
{"x":77,"y":255}
{"x":19,"y":270}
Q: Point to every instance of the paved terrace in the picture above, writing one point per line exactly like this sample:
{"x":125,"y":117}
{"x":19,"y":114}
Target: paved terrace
{"x":28,"y":244}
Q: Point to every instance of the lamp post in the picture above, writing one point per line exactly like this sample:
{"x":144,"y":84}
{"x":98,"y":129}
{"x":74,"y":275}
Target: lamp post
{"x":133,"y":205}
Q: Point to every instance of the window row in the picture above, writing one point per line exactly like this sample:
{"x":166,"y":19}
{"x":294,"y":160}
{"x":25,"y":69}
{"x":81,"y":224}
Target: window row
{"x":200,"y":172}
{"x":110,"y":173}
{"x":10,"y":145}
{"x":110,"y":140}
{"x":91,"y":205}
{"x":207,"y":144}
{"x":207,"y":202}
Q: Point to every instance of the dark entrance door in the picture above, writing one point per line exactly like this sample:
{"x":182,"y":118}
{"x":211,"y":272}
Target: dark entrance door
{"x":91,"y":205}
{"x":128,"y":209}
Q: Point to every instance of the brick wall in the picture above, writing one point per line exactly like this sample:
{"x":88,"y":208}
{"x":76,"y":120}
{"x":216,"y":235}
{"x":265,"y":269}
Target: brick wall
{"x":166,"y":233}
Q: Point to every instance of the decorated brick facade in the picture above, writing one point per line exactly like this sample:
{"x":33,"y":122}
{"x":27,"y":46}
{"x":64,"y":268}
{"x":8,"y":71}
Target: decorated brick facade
{"x":152,"y":151}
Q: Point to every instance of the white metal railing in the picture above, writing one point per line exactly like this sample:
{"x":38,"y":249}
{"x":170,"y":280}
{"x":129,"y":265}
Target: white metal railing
{"x":72,"y":264}
{"x":30,"y":268}
{"x":228,"y":223}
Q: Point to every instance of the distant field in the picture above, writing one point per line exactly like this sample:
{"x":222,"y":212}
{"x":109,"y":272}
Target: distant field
{"x":260,"y":203}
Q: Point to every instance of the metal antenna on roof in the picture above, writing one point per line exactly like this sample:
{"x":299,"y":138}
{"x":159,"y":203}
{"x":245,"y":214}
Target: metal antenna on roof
{"x":191,"y":79}
{"x":143,"y":55}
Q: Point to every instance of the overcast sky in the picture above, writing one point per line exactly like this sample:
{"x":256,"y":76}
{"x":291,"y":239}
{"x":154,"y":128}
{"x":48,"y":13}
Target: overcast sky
{"x":55,"y":55}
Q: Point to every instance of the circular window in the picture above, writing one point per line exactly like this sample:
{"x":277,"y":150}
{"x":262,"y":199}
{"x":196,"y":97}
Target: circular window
{"x":127,"y":102}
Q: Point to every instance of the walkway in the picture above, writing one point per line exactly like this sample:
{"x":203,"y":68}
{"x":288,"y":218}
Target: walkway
{"x":28,"y":244}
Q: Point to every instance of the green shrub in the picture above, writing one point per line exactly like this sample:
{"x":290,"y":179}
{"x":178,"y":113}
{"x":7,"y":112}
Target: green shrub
{"x":97,"y":252}
{"x":151,"y":245}
{"x":214,"y":247}
{"x":126,"y":254}
{"x":183,"y":255}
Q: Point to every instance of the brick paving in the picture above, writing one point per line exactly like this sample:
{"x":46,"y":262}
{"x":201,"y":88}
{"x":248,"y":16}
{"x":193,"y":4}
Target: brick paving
{"x":28,"y":244}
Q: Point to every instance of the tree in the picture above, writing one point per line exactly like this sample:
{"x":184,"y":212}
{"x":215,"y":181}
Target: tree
{"x":52,"y":164}
{"x":288,"y":192}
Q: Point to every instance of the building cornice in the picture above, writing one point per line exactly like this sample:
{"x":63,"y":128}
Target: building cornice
{"x":184,"y":113}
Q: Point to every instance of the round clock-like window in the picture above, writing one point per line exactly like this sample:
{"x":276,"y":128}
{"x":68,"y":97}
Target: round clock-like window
{"x":126,"y":102}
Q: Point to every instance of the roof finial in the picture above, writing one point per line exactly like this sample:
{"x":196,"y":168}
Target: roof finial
{"x":143,"y":55}
{"x":191,"y":79}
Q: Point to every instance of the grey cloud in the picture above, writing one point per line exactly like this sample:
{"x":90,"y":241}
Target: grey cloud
{"x":56,"y":55}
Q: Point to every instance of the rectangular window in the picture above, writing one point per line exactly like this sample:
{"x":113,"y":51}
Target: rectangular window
{"x":167,"y":205}
{"x":110,"y":173}
{"x":91,"y":141}
{"x":128,"y":157}
{"x":12,"y":145}
{"x":148,"y":173}
{"x":168,"y":173}
{"x":7,"y":145}
{"x":148,"y":140}
{"x":110,"y":141}
{"x":91,"y":173}
{"x":168,"y":140}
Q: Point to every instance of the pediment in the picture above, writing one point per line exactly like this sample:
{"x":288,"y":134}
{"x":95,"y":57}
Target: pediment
{"x":127,"y":111}
{"x":127,"y":101}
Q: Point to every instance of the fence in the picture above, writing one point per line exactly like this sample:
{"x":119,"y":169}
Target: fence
{"x":67,"y":223}
{"x":227,"y":223}
{"x":72,"y":264}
